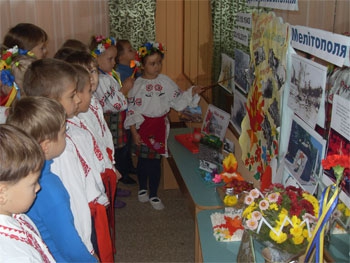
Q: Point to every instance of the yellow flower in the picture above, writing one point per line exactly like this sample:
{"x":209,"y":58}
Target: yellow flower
{"x":281,"y":218}
{"x":230,"y":200}
{"x":341,"y":206}
{"x":347,"y":212}
{"x":314,"y":201}
{"x":297,"y":240}
{"x":247,"y":212}
{"x":295,"y":220}
{"x":284,"y":211}
{"x":296,"y":231}
{"x":143,"y":51}
{"x":282,"y":237}
{"x":306,"y":233}
{"x":273,"y":206}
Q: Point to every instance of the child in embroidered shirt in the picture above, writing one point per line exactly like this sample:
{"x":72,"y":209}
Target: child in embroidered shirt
{"x":21,"y":162}
{"x":125,"y":54}
{"x":111,"y":94}
{"x":57,"y":79}
{"x":45,"y":120}
{"x":92,"y":160}
{"x":27,"y":37}
{"x":149,"y":101}
{"x":96,"y":123}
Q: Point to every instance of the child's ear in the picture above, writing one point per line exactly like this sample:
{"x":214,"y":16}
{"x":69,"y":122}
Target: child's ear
{"x":45,"y":146}
{"x":3,"y":189}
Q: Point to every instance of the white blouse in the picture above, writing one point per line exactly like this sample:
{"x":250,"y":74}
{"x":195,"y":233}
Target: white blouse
{"x":20,"y":241}
{"x":96,"y":123}
{"x":69,"y":169}
{"x":90,"y":156}
{"x":155,"y":97}
{"x":108,"y":94}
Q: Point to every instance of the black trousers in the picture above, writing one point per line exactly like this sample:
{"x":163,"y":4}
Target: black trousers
{"x":149,"y":171}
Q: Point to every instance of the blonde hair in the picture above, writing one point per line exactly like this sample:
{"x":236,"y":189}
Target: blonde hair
{"x":40,"y":117}
{"x":48,"y":77}
{"x":20,"y":154}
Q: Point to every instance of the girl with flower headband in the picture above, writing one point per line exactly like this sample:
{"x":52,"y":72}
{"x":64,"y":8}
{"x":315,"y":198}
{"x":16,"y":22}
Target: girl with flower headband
{"x":111,"y":94}
{"x":13,"y":63}
{"x":28,"y":37}
{"x":149,"y":102}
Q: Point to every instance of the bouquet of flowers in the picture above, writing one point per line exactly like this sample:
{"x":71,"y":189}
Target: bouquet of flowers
{"x":284,"y":217}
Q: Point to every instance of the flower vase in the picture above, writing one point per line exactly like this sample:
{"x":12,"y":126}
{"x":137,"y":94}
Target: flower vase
{"x":271,"y":254}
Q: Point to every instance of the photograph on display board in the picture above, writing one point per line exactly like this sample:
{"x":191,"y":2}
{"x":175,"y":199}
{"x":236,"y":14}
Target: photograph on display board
{"x":229,"y":146}
{"x":339,"y":142}
{"x":307,"y":89}
{"x":238,"y":110}
{"x":215,"y":122}
{"x":243,"y":76}
{"x":305,"y":151}
{"x":191,"y":114}
{"x":227,"y":72}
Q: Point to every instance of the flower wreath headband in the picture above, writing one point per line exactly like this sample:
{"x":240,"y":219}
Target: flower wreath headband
{"x":145,"y":50}
{"x":6,"y":75}
{"x":103,"y":44}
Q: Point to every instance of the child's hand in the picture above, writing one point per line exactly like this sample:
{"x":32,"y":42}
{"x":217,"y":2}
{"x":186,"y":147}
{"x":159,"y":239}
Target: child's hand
{"x":197,"y":90}
{"x":118,"y":174}
{"x":127,"y":85}
{"x":137,"y":138}
{"x":96,"y":256}
{"x":135,"y":135}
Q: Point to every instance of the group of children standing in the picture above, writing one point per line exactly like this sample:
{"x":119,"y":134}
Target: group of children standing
{"x":66,"y":141}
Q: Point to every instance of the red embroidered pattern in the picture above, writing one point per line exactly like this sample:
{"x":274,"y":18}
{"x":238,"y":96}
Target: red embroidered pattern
{"x":85,"y":166}
{"x":95,"y":112}
{"x":97,"y":150}
{"x":26,"y":237}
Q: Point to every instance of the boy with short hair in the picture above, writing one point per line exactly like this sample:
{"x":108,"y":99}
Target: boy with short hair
{"x":21,"y":161}
{"x":45,"y":120}
{"x":58,"y":80}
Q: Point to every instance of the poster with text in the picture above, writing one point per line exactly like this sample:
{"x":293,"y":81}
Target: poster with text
{"x":259,"y":139}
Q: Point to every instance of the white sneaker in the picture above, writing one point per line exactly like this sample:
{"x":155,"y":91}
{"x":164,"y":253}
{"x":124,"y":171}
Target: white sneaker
{"x":143,"y":196}
{"x":156,"y":203}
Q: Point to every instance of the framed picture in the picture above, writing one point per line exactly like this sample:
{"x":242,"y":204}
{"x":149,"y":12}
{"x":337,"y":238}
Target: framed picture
{"x":191,"y":114}
{"x":238,"y":110}
{"x":243,"y":76}
{"x":306,"y":149}
{"x":229,"y":146}
{"x":215,"y":122}
{"x":339,"y":142}
{"x":306,"y":96}
{"x":227,"y":72}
